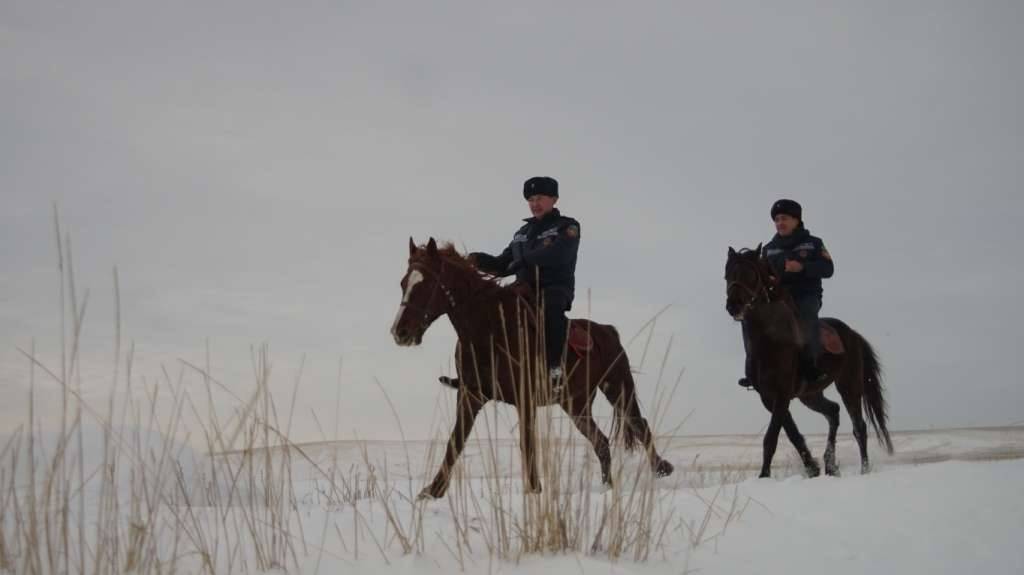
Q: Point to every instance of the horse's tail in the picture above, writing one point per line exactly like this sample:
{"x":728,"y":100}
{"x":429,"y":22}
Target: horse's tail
{"x":620,"y":389}
{"x":874,"y":392}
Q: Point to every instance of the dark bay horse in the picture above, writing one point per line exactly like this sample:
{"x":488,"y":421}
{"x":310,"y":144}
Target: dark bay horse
{"x":754,"y":296}
{"x":498,"y":358}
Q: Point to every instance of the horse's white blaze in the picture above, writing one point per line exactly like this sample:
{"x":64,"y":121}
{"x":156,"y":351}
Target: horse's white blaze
{"x":415,"y":277}
{"x":398,"y":318}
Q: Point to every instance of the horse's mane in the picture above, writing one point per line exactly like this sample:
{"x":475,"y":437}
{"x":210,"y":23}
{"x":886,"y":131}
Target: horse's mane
{"x":448,"y":251}
{"x":451,"y":255}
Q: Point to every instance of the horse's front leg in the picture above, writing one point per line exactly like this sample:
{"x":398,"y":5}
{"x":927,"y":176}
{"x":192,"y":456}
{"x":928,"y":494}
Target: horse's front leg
{"x":466,"y":412}
{"x":780,"y":410}
{"x":797,"y":439}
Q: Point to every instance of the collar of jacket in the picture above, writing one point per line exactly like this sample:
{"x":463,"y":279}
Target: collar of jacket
{"x":799,"y":235}
{"x":554,"y":214}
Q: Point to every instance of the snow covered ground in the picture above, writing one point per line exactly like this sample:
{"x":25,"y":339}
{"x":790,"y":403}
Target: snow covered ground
{"x":948,"y":502}
{"x":951,"y":517}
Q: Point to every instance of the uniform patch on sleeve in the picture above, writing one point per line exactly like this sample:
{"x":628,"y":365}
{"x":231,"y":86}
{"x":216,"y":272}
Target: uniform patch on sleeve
{"x":572,"y":231}
{"x":825,"y":254}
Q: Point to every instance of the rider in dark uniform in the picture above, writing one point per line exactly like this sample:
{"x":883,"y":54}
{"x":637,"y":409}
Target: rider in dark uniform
{"x":542,"y":255}
{"x":801,"y":261}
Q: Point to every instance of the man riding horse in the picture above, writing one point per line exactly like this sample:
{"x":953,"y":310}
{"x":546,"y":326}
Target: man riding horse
{"x":800,"y":261}
{"x":542,"y":256}
{"x":495,"y":350}
{"x":776,"y":293}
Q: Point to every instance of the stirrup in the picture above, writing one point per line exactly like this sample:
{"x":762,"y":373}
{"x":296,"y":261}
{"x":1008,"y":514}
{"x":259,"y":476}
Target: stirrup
{"x":823,"y":377}
{"x":746,"y":382}
{"x":814,"y":375}
{"x":556,"y":377}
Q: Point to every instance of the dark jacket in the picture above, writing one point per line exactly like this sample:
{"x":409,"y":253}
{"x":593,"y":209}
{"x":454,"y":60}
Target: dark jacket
{"x":809,"y":251}
{"x":546,"y":247}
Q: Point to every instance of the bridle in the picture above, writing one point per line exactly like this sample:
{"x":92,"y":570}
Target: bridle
{"x":438,"y":285}
{"x":762,"y":289}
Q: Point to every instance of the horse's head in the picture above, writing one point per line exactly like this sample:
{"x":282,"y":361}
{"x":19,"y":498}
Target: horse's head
{"x":424,"y":294}
{"x":747,"y":281}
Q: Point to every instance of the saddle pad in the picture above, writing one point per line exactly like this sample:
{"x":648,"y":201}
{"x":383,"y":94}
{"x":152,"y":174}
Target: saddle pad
{"x":579,"y":340}
{"x":830,"y":339}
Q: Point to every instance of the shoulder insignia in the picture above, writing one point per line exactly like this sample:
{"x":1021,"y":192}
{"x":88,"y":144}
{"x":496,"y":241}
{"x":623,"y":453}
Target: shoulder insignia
{"x":572,"y":231}
{"x":825,"y":254}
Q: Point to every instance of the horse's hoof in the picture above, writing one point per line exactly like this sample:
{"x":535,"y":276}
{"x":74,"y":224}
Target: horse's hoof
{"x":663,"y":468}
{"x":429,"y":494}
{"x":811,"y":466}
{"x":831,"y":468}
{"x":764,"y":475}
{"x":865,"y":468}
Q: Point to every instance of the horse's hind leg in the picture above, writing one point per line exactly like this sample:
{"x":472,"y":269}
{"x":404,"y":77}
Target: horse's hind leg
{"x":850,"y":385}
{"x":584,"y":421}
{"x":620,"y":390}
{"x":830,"y":409}
{"x":860,"y":430}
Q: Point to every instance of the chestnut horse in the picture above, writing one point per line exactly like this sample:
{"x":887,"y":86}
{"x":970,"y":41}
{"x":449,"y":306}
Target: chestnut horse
{"x":499,"y":357}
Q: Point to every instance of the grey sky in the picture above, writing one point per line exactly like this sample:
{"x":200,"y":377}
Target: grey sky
{"x":255,"y":170}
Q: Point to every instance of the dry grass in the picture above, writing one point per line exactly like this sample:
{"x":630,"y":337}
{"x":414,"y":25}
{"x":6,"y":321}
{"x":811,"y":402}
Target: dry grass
{"x":146,"y":504}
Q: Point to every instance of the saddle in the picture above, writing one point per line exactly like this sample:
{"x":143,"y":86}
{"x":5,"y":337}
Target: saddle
{"x":830,"y":340}
{"x":578,"y":339}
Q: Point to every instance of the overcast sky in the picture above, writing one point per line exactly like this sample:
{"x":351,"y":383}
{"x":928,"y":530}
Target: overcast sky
{"x":255,"y":169}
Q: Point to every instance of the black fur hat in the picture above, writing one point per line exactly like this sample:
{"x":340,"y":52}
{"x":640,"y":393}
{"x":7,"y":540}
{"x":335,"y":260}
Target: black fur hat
{"x":788,"y":207}
{"x":542,"y":185}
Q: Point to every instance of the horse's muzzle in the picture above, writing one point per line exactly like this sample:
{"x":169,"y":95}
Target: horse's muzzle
{"x":405,"y":338}
{"x":735,"y":309}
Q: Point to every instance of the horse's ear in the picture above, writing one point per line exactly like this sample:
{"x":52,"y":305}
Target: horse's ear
{"x":758,"y":250}
{"x":412,"y":246}
{"x":432,"y":248}
{"x":732,"y":252}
